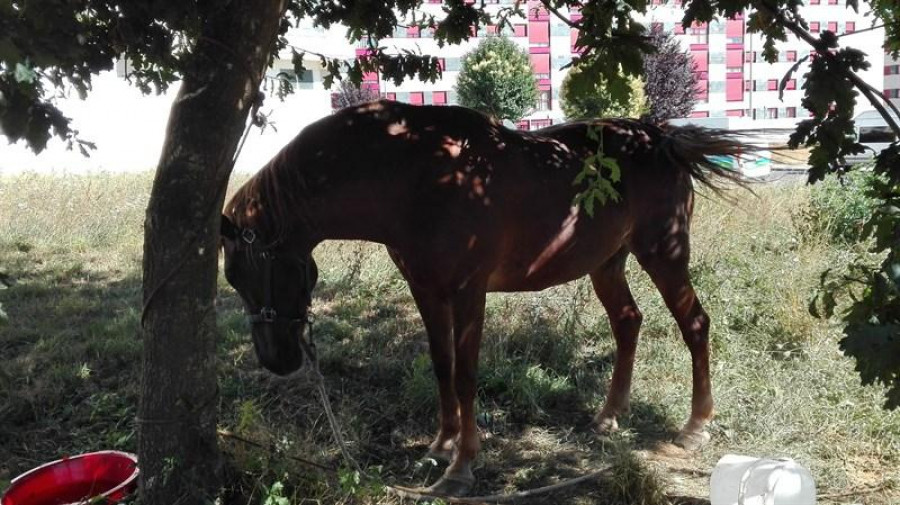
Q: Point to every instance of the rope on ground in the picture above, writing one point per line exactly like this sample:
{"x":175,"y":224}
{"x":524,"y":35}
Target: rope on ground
{"x":421,"y":494}
{"x":247,"y":441}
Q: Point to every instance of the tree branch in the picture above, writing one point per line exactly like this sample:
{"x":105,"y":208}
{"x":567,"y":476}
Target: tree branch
{"x":886,"y":101}
{"x":816,"y":44}
{"x":555,"y":11}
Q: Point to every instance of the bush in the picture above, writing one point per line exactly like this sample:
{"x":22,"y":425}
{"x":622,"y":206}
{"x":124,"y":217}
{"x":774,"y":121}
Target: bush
{"x":598,"y":101}
{"x":838,"y":208}
{"x":670,"y":79}
{"x":496,"y":78}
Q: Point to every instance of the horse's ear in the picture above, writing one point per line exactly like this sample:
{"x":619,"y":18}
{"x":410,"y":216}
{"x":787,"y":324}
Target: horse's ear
{"x":227,"y":229}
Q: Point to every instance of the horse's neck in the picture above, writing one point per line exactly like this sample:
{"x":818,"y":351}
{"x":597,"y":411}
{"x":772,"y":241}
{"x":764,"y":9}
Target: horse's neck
{"x":360,"y":210}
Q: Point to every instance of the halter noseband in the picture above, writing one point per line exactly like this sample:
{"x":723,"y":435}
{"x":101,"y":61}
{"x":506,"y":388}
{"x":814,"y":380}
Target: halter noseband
{"x":267,"y":313}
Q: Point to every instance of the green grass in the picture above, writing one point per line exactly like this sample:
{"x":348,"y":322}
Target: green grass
{"x":70,"y":358}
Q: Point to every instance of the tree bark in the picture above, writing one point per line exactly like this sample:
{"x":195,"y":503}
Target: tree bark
{"x":177,"y":446}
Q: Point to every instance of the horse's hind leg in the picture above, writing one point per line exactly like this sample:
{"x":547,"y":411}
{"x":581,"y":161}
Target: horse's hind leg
{"x":625,"y":319}
{"x":666,"y":261}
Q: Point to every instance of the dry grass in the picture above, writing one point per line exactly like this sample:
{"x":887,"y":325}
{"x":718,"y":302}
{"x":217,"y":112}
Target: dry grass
{"x":69,"y":363}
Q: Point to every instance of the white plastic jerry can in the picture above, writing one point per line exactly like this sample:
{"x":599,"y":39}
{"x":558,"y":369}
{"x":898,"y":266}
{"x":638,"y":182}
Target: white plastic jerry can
{"x":745,"y":480}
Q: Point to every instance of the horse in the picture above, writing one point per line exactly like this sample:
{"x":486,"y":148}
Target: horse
{"x":465,"y":207}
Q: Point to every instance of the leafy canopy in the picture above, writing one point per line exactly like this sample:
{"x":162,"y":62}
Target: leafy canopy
{"x":496,"y":78}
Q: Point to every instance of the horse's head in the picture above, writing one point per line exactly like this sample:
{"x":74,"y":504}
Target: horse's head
{"x":276,"y":287}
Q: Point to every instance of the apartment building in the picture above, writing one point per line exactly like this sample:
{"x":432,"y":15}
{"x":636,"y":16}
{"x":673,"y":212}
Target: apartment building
{"x":734,"y":81}
{"x":892,"y":79}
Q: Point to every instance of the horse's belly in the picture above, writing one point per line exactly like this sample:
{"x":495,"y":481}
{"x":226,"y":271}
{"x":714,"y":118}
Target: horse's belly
{"x":521,"y":269}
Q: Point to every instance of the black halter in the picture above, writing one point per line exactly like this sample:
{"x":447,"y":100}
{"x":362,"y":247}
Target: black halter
{"x":267,"y":313}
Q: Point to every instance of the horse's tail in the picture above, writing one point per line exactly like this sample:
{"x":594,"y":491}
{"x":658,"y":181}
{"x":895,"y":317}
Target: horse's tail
{"x":709,"y":155}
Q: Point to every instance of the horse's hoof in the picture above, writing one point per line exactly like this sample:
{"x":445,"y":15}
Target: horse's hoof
{"x":692,"y":440}
{"x":452,"y":485}
{"x":606,"y":425}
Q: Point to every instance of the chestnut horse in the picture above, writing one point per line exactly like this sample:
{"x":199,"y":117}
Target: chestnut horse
{"x":466,"y":206}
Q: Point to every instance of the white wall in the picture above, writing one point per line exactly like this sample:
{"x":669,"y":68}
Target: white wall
{"x":129,"y":128}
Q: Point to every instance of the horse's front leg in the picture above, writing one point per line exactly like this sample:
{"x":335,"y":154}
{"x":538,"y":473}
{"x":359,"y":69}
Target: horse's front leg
{"x":438,"y":318}
{"x":468,"y":322}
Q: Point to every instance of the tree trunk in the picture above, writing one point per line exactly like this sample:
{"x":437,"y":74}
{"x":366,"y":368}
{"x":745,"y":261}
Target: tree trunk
{"x":177,"y":444}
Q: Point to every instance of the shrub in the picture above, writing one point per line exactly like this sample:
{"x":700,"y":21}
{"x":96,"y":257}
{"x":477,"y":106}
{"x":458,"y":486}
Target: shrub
{"x":599,"y":101}
{"x":496,"y":78}
{"x":670,"y":79}
{"x":838,"y":208}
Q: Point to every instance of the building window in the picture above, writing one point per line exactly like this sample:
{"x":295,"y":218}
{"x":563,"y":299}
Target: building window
{"x":702,"y":91}
{"x":748,"y":85}
{"x":538,"y":13}
{"x":541,"y":65}
{"x":412,"y":32}
{"x":790,"y":112}
{"x":390,"y":96}
{"x":734,"y":90}
{"x":540,"y":123}
{"x":849,"y":27}
{"x":772,"y":84}
{"x":452,"y":64}
{"x":813,"y":2}
{"x":544,"y":100}
{"x":734,"y":31}
{"x":791,"y":84}
{"x":520,"y":30}
{"x":522,"y":125}
{"x":772,"y":113}
{"x":814,"y":26}
{"x":735,"y":113}
{"x":699,"y":35}
{"x":791,"y":55}
{"x":701,"y":61}
{"x":539,"y":34}
{"x":832,"y":25}
{"x":439,"y":98}
{"x":734,"y":70}
{"x":417,"y":98}
{"x":832,"y":2}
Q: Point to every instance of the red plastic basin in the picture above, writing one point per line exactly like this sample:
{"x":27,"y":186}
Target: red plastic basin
{"x":111,"y":475}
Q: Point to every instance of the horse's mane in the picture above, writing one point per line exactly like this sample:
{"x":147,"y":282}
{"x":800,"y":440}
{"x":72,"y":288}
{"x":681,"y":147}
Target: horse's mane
{"x":272,"y":199}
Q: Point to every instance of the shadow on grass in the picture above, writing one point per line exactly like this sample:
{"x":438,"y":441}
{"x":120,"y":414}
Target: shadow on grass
{"x":70,"y":360}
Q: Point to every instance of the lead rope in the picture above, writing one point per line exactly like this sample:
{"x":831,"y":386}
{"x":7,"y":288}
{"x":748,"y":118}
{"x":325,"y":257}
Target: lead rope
{"x":313,"y":358}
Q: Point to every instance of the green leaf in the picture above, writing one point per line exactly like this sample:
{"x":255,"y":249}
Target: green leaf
{"x":25,"y":74}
